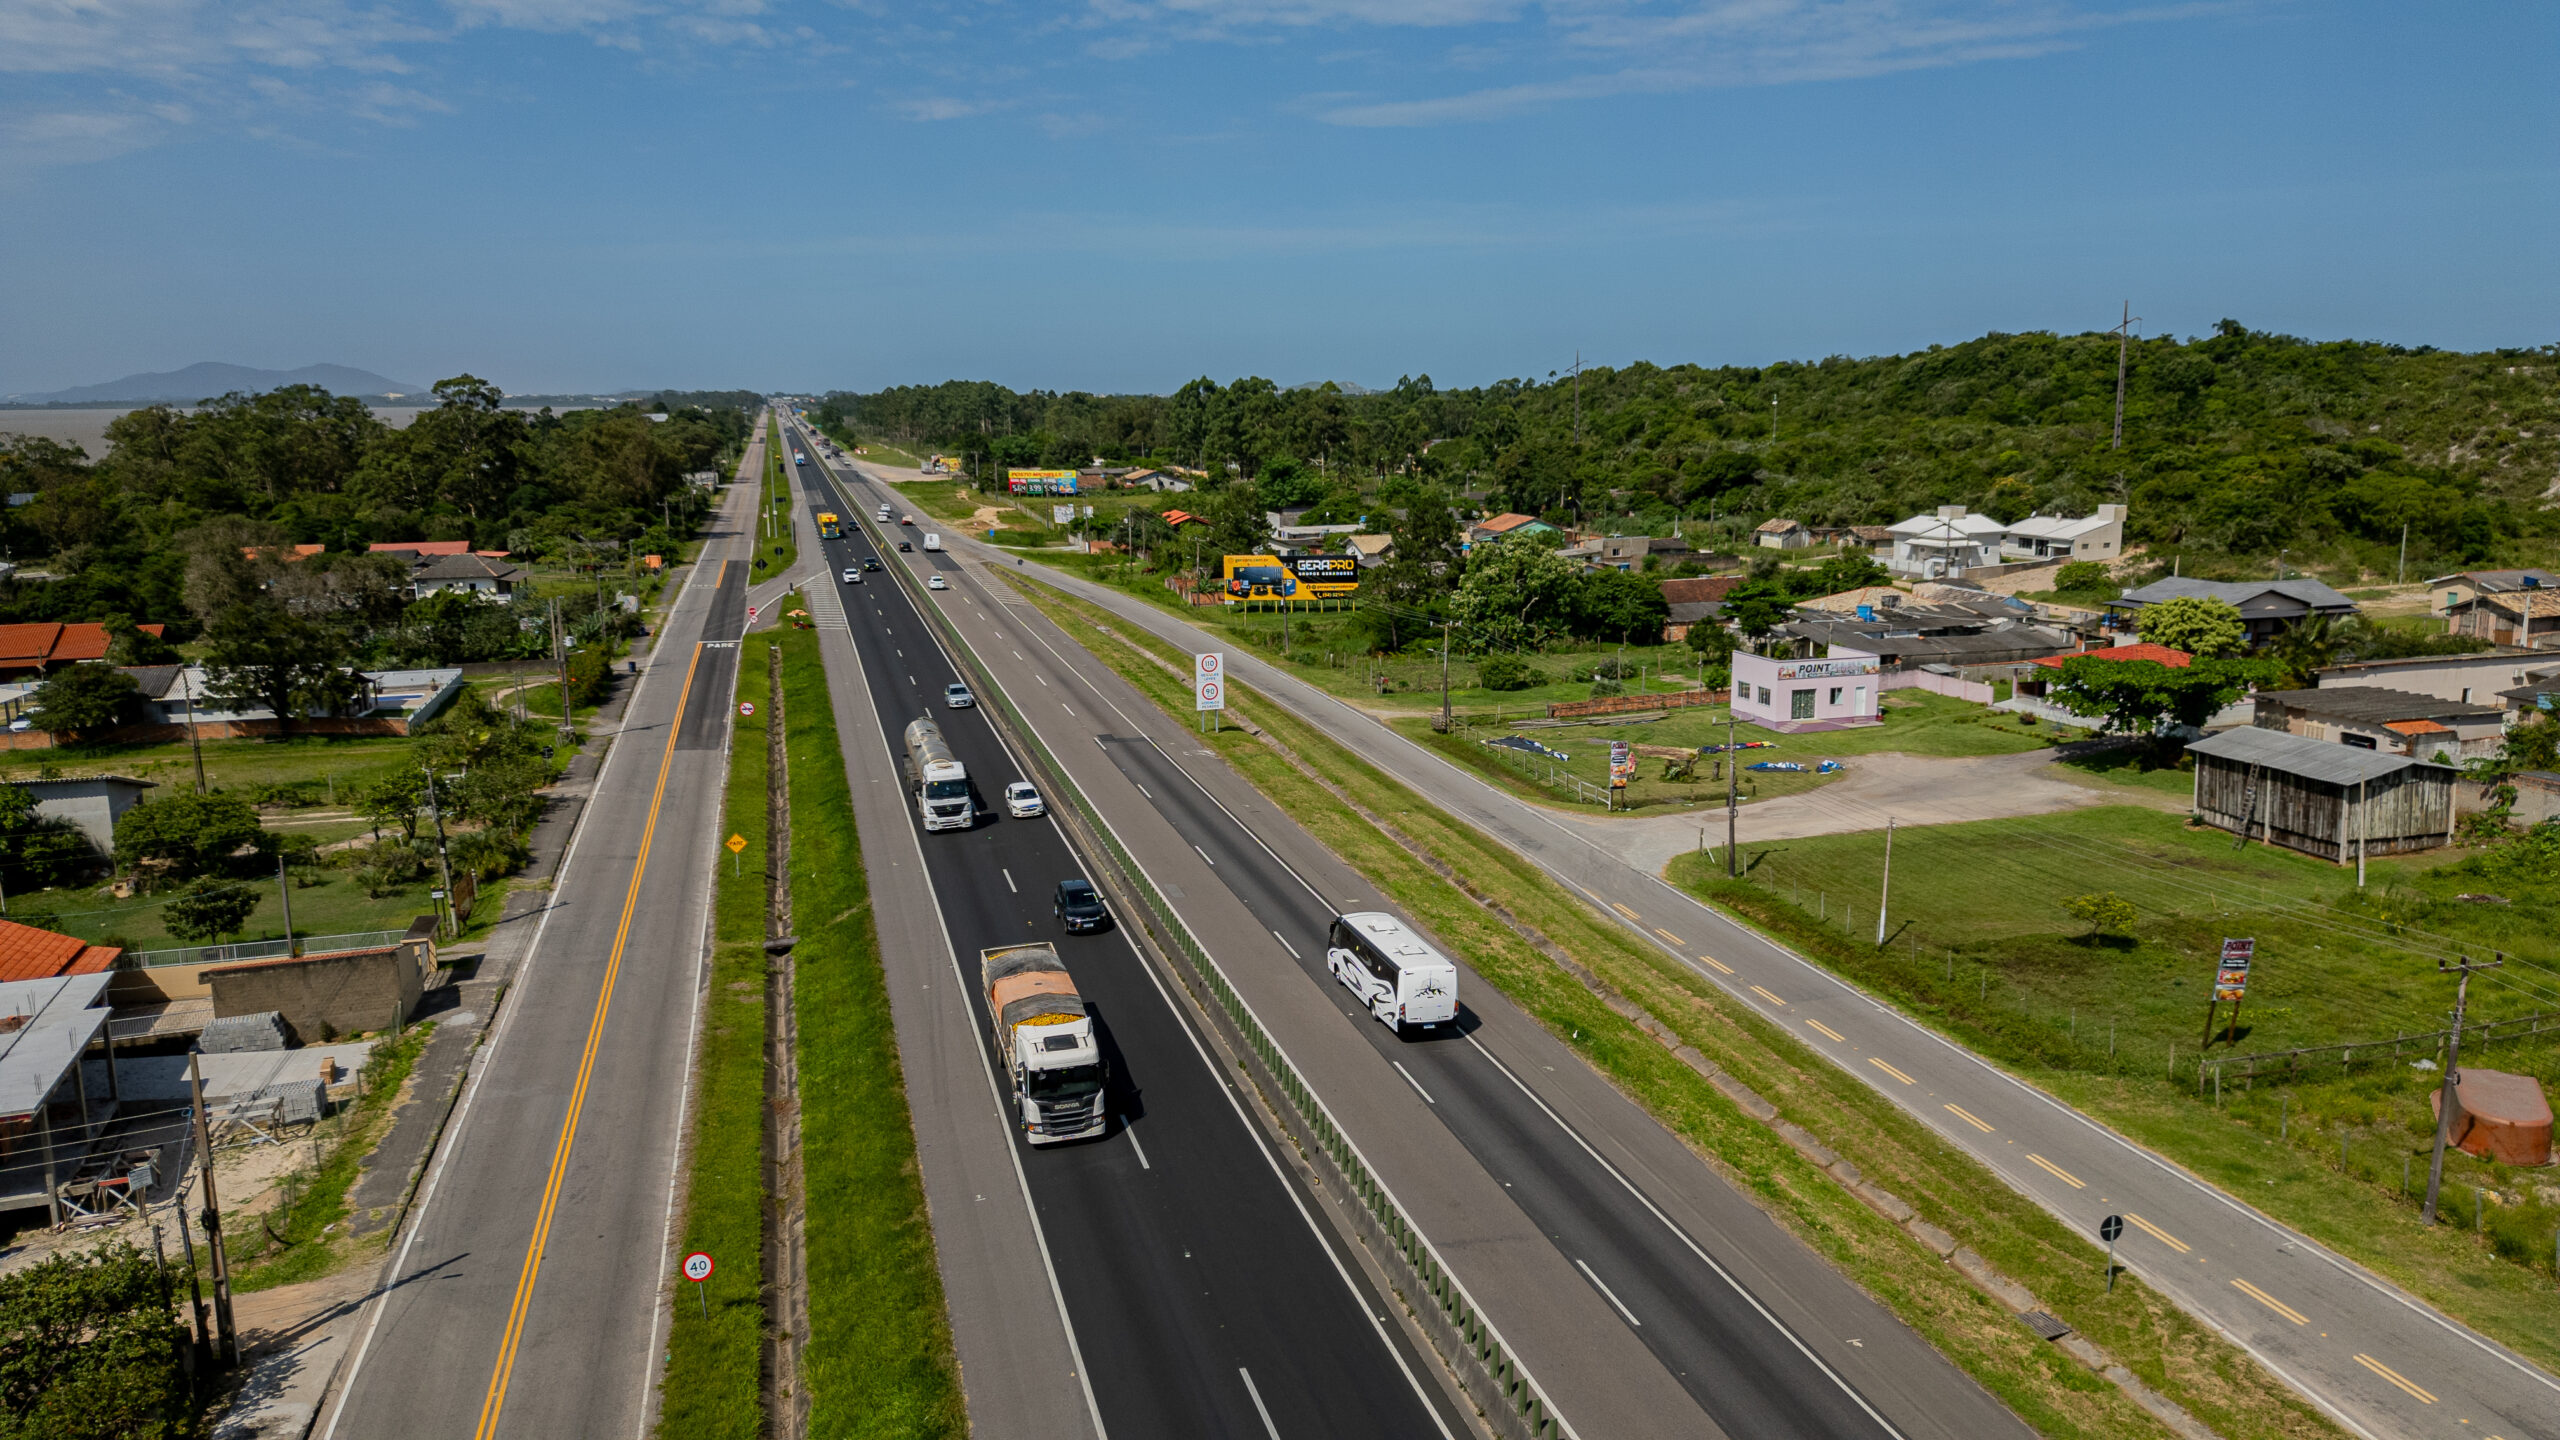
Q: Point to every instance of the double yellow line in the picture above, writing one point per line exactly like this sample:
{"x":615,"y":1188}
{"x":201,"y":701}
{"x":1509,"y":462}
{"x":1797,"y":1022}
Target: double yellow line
{"x":523,"y":1302}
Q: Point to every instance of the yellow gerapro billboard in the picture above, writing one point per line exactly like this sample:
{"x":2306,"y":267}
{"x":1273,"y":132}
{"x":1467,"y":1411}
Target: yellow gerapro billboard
{"x":1300,"y":577}
{"x":1325,"y":577}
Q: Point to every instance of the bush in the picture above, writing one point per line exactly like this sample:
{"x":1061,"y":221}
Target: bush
{"x":91,"y":1349}
{"x":191,"y":834}
{"x":2083,"y":575}
{"x":208,"y":910}
{"x":1499,"y":671}
{"x":2102,"y":912}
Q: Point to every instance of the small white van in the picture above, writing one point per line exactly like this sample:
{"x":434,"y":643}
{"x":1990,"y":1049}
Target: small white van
{"x":1394,"y":971}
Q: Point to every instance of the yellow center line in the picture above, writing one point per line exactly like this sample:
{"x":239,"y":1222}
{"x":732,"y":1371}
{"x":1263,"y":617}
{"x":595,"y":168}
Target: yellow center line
{"x":517,"y":1310}
{"x":1969,"y":1118}
{"x":1827,"y":1030}
{"x":1765,"y":995}
{"x":2272,"y":1303}
{"x":1667,"y":935}
{"x":2156,"y":1233}
{"x":2395,"y":1377}
{"x":2057,"y":1172}
{"x":1721,"y":967}
{"x":1889,"y":1070}
{"x":1623,"y":910}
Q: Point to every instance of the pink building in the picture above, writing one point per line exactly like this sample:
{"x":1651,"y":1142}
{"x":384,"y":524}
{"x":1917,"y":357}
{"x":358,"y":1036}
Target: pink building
{"x":1798,"y":695}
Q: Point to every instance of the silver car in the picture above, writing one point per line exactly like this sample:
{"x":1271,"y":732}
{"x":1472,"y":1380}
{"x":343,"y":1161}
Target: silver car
{"x":957,"y":696}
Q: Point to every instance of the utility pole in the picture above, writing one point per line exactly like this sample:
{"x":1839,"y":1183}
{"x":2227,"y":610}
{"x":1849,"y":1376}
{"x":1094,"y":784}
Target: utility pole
{"x":560,"y":650}
{"x":2124,"y":338}
{"x":2404,"y":554}
{"x":1577,"y":395}
{"x":284,"y":892}
{"x":1732,"y":766}
{"x":444,"y":861}
{"x":187,"y":687}
{"x":227,"y":1339}
{"x":1885,"y":898}
{"x":1444,"y":676}
{"x":2447,"y":1095}
{"x":1773,"y":419}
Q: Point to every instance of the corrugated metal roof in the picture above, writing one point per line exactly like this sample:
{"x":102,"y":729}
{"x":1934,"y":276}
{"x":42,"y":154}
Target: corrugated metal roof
{"x":2308,"y":758}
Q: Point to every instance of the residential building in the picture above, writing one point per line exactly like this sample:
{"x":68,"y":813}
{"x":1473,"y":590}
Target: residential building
{"x":2326,"y":800}
{"x":1634,"y":552}
{"x":48,"y":1119}
{"x":1508,"y":523}
{"x":2266,"y":606}
{"x":477,"y":574}
{"x":286,"y":553}
{"x":177,"y":700}
{"x":2445,"y":593}
{"x":417,"y":548}
{"x":2038,"y":682}
{"x":2370,"y":717}
{"x":2057,"y":537}
{"x":1947,"y":543}
{"x":1840,"y":690}
{"x":34,"y":650}
{"x":90,"y":804}
{"x":2527,"y":616}
{"x":1863,"y":601}
{"x":1370,"y":550}
{"x":2474,"y":678}
{"x":27,"y":953}
{"x":1781,"y":535}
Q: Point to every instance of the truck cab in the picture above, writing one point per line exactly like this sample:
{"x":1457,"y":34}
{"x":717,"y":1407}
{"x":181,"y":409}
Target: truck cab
{"x":1046,"y":1042}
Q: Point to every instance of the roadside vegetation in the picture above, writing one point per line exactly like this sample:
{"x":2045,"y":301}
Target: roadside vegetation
{"x":302,"y":1236}
{"x":776,"y":543}
{"x":2055,"y":1395}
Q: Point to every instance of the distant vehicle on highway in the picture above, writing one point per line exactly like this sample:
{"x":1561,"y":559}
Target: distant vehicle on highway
{"x":799,"y":457}
{"x":852,"y":576}
{"x":1078,"y":907}
{"x":1395,"y":972}
{"x":829,"y":526}
{"x":906,"y":548}
{"x":934,"y":582}
{"x":1045,"y":1039}
{"x":932,"y":541}
{"x":906,"y":519}
{"x":1023,"y":802}
{"x":868,"y":563}
{"x":937,"y":779}
{"x":957,"y":696}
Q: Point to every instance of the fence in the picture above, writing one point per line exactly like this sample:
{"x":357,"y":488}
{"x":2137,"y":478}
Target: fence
{"x":1510,"y":1398}
{"x":1632,"y":704}
{"x":262,"y":949}
{"x":1936,"y":684}
{"x":1549,"y":771}
{"x":2293,"y":1064}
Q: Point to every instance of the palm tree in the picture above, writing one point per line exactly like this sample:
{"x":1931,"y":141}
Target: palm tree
{"x":2308,"y":646}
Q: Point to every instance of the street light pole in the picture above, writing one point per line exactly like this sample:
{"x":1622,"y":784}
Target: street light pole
{"x":2448,"y":1094}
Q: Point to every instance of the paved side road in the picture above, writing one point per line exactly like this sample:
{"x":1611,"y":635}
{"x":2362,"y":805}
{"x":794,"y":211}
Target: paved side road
{"x":2377,"y":1359}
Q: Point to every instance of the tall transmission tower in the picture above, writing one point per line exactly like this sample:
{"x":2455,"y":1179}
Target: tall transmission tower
{"x":2124,"y":337}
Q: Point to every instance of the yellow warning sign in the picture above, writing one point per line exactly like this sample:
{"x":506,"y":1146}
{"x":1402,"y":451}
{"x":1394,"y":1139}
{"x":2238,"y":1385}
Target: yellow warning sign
{"x":737,"y":843}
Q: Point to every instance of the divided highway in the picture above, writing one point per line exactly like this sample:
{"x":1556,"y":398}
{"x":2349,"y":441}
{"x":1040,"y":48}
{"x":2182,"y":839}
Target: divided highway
{"x":1202,"y":1296}
{"x":1723,"y":1323}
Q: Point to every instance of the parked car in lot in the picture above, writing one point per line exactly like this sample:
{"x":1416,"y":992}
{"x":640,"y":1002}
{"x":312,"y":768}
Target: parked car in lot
{"x":852,"y":576}
{"x":934,"y":582}
{"x":957,"y":696}
{"x":1023,"y":802}
{"x":1078,"y":907}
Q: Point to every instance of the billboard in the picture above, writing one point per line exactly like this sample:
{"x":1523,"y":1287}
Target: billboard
{"x":2231,"y":978}
{"x":1040,"y":482}
{"x":1325,"y":577}
{"x":1256,"y":577}
{"x":1828,"y":669}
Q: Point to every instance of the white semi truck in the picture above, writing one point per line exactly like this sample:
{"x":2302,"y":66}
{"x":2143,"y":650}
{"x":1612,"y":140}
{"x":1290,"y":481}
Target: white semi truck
{"x":1045,"y":1041}
{"x":937,"y":779}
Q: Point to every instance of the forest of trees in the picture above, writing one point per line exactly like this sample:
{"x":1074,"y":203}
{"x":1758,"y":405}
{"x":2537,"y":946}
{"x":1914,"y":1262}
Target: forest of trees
{"x":189,"y":517}
{"x":2237,"y":445}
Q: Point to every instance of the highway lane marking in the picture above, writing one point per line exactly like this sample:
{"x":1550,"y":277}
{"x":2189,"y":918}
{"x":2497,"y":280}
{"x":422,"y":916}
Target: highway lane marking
{"x":2272,"y":1303}
{"x":1131,"y":1132}
{"x":1968,"y":1117}
{"x":2395,"y":1377}
{"x":1623,"y":910}
{"x":1285,"y":945}
{"x":1765,"y":995}
{"x":1008,"y":882}
{"x":522,"y":1303}
{"x":2057,"y":1172}
{"x":1416,"y":1084}
{"x":1258,"y":1407}
{"x":1720,"y":965}
{"x":1070,"y":709}
{"x":1042,"y":679}
{"x":1144,"y":791}
{"x":1667,"y":935}
{"x":1203,"y":854}
{"x":2156,"y":1233}
{"x":1889,"y":1070}
{"x":1827,"y":1030}
{"x":1612,"y":1294}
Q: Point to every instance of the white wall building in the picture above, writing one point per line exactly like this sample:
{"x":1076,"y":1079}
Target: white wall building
{"x":2091,"y":537}
{"x":1947,"y":543}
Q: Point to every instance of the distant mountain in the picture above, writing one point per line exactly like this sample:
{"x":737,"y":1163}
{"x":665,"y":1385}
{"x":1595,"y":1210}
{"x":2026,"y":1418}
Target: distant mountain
{"x":210,"y":378}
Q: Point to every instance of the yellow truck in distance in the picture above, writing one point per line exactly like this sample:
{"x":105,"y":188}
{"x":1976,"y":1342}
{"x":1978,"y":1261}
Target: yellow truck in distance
{"x":1046,"y":1042}
{"x":829,"y":527}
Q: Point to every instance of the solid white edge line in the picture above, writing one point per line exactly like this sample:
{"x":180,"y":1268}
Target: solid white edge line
{"x":1008,"y":880}
{"x":1603,"y":1285}
{"x":1285,"y":945}
{"x":1132,"y":1132}
{"x":1258,"y":1407}
{"x":1203,"y":854}
{"x":1416,"y":1084}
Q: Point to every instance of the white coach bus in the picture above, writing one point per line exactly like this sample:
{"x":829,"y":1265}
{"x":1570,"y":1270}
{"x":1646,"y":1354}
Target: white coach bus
{"x":1394,"y":971}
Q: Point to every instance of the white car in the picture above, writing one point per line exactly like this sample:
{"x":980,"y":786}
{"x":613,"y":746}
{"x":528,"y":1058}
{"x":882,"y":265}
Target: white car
{"x":957,"y":696}
{"x":934,"y":582}
{"x":1022,"y":802}
{"x":853,"y":574}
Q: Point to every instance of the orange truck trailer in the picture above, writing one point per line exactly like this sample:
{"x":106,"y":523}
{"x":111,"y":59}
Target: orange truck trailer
{"x":1046,"y":1042}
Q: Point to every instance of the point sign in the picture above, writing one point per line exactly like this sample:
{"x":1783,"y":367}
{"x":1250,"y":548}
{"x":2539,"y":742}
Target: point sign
{"x":697,"y":1267}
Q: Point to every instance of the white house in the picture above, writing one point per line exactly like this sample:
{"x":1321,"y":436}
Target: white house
{"x":1947,"y":543}
{"x":482,"y":575}
{"x":2044,"y":537}
{"x":1781,"y":535}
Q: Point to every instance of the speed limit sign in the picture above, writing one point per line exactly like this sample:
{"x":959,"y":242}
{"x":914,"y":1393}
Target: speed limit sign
{"x":697,"y":1267}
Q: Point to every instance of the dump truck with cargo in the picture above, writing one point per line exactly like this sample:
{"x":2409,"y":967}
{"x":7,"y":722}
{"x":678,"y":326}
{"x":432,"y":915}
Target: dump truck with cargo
{"x":1045,"y":1041}
{"x":937,"y":779}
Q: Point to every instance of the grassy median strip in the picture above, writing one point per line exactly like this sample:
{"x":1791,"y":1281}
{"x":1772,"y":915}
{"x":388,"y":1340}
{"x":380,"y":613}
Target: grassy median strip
{"x":879,"y":1360}
{"x":712,"y":1387}
{"x":2051,"y":1391}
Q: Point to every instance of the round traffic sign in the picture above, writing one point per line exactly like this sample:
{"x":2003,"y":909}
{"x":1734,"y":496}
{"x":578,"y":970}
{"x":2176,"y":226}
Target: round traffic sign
{"x":746,"y":707}
{"x":697,"y":1267}
{"x":2110,"y":1228}
{"x":1209,"y":661}
{"x":1209,"y":690}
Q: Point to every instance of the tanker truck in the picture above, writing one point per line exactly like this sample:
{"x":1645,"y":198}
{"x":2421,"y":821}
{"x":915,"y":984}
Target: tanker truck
{"x":937,"y":780}
{"x":1045,"y":1040}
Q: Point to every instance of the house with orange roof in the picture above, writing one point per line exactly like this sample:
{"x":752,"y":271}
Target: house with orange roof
{"x":32,"y":651}
{"x":1509,"y":523}
{"x":53,"y":1011}
{"x":2396,"y":722}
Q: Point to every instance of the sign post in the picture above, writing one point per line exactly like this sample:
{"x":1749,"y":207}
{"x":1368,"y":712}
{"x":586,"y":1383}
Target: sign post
{"x":1208,"y":687}
{"x":2230,"y":982}
{"x":737,"y":846}
{"x":2108,"y":1230}
{"x":1622,"y":768}
{"x":697,"y":1268}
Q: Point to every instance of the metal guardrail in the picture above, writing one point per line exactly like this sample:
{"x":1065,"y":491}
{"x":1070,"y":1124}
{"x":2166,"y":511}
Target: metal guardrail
{"x":262,"y":949}
{"x":2294,"y":1064}
{"x":1535,"y":1415}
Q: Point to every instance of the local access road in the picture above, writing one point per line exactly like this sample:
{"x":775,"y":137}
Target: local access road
{"x":528,"y":1293}
{"x":1647,"y":1295}
{"x":2379,"y":1360}
{"x":1198,"y":1292}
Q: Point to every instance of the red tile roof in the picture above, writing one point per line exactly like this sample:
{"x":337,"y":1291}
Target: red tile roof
{"x":2174,"y":659}
{"x":2415,"y":727}
{"x":1709,"y":589}
{"x":27,"y":644}
{"x":27,"y":953}
{"x":37,"y":646}
{"x":419,"y":547}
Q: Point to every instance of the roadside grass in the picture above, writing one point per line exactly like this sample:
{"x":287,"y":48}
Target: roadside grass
{"x":334,"y":904}
{"x":712,"y":1385}
{"x":296,"y":1240}
{"x":341,"y":765}
{"x":1982,"y":951}
{"x":879,"y":1360}
{"x":2053,"y":1393}
{"x":2127,"y":766}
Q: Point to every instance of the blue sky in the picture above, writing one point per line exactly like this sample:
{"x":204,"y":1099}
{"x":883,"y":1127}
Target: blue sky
{"x":1123,"y":194}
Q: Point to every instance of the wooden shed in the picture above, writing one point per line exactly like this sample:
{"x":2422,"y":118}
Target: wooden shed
{"x":2320,"y":797}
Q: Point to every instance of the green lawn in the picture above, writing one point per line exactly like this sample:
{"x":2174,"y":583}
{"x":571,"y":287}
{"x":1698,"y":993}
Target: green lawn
{"x":1981,"y":948}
